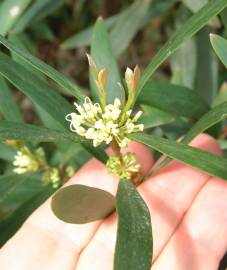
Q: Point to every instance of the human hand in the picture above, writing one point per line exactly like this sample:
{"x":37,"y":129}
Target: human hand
{"x":188,"y":211}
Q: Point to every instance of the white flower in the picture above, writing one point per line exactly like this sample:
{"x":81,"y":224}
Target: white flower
{"x":25,"y":161}
{"x":102,"y":125}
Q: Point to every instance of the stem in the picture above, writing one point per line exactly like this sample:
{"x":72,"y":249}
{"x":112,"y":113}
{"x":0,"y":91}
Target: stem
{"x":116,"y":149}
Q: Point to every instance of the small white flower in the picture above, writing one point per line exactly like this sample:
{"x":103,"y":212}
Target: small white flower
{"x":102,"y":125}
{"x":25,"y":161}
{"x":137,"y":116}
{"x":52,"y":177}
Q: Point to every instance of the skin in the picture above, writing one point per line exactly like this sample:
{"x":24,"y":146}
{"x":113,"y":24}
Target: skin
{"x":189,"y":218}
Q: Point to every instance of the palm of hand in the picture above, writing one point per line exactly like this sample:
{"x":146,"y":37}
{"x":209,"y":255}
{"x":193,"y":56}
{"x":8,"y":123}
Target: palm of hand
{"x":189,"y":218}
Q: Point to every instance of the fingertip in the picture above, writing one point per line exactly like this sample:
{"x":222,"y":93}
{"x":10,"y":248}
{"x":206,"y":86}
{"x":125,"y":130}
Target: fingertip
{"x":143,"y":155}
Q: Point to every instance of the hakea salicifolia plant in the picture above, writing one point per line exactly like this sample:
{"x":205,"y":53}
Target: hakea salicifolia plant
{"x":110,"y":123}
{"x":26,"y":161}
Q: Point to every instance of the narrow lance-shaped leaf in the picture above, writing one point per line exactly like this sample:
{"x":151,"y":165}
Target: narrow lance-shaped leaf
{"x":79,"y":204}
{"x":52,"y":73}
{"x":134,"y":246}
{"x":83,"y":38}
{"x":220,"y":47}
{"x":207,"y":162}
{"x":35,"y":89}
{"x":188,"y":29}
{"x":28,"y":132}
{"x":8,"y":105}
{"x":10,"y":11}
{"x":153,"y":117}
{"x":102,"y":53}
{"x":124,"y":29}
{"x":173,"y":99}
{"x":222,"y":95}
{"x":195,"y":5}
{"x":16,"y":189}
{"x":24,"y":42}
{"x":209,"y":119}
{"x":36,"y":10}
{"x":206,"y":83}
{"x":183,"y":63}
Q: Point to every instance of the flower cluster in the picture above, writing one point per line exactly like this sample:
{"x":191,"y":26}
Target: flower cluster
{"x":102,"y":125}
{"x":25,"y":161}
{"x":123,"y":168}
{"x":52,"y":177}
{"x":110,"y":123}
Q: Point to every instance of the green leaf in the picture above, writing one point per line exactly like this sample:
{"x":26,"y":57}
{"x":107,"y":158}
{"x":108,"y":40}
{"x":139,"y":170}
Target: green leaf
{"x":173,"y":99}
{"x":209,"y":119}
{"x":223,"y":16}
{"x":204,"y":161}
{"x":83,"y":38}
{"x":183,"y":64}
{"x":222,"y":95}
{"x":195,"y":5}
{"x":153,"y":117}
{"x":134,"y":246}
{"x":220,"y":47}
{"x":103,"y":56}
{"x":24,"y":42}
{"x":46,"y":119}
{"x":70,"y":154}
{"x":16,"y":189}
{"x":125,"y":29}
{"x":188,"y":29}
{"x":6,"y":151}
{"x":79,"y":204}
{"x":207,"y":67}
{"x":35,"y":89}
{"x":28,"y":132}
{"x":10,"y":11}
{"x":52,"y":73}
{"x":8,"y":105}
{"x":36,"y":11}
{"x":50,"y":7}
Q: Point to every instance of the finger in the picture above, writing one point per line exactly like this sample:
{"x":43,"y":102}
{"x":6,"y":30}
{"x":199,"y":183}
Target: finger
{"x":201,"y":239}
{"x":46,"y":236}
{"x":168,"y":195}
{"x":171,"y":192}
